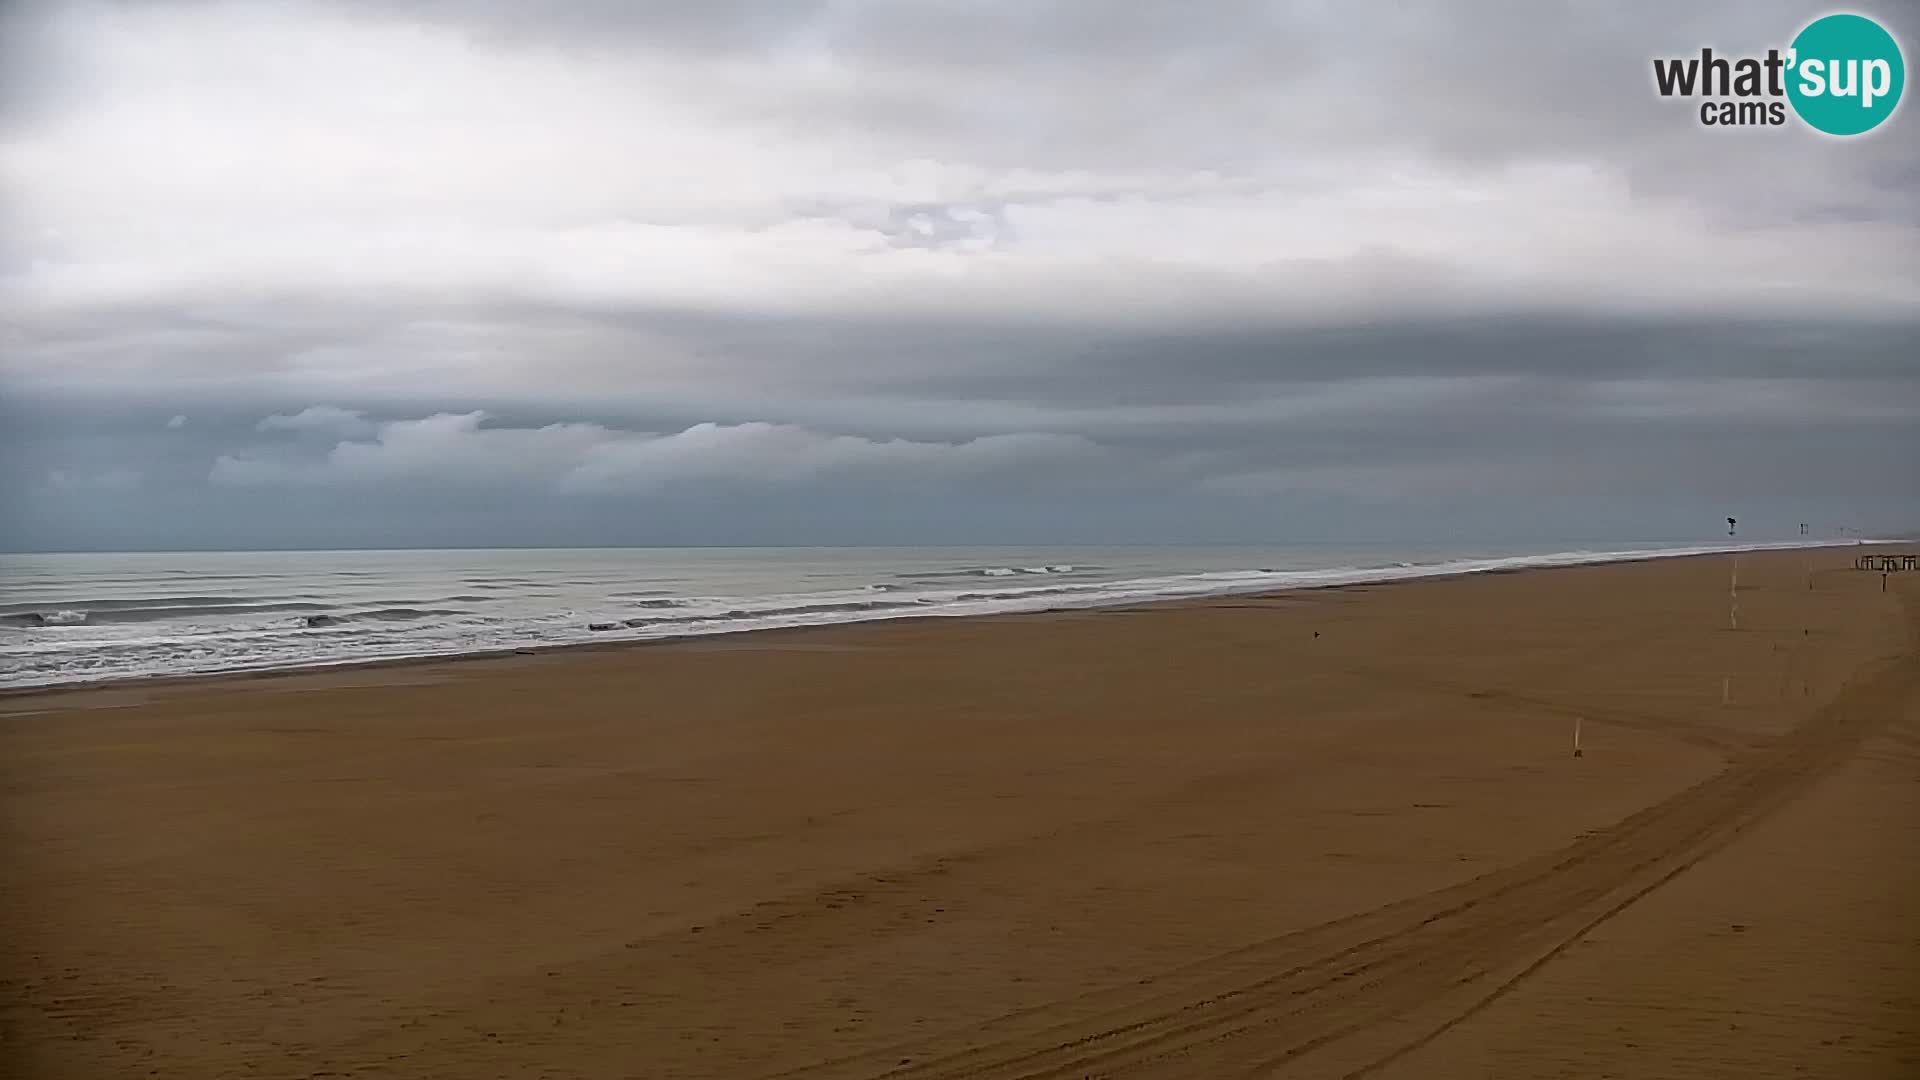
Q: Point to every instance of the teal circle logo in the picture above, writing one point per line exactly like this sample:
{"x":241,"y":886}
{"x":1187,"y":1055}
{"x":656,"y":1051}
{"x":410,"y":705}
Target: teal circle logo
{"x":1845,"y":74}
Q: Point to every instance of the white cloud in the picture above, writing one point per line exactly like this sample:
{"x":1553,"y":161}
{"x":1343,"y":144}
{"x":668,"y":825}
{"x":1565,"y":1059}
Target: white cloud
{"x":761,"y":453}
{"x":450,"y":450}
{"x":319,"y":420}
{"x":178,"y":422}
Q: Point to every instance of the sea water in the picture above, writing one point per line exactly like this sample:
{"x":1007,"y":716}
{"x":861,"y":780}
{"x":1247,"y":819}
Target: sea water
{"x":67,"y":618}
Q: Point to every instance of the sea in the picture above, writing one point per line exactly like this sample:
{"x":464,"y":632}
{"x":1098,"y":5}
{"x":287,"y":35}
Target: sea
{"x":80,"y":618}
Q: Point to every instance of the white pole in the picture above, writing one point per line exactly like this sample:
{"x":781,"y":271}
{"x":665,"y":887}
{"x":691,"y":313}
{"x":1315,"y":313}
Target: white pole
{"x":1733,"y":596}
{"x":1576,"y":737}
{"x":1726,"y":690}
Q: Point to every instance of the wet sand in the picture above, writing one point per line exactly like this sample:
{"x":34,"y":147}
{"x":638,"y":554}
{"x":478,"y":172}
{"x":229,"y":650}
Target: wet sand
{"x":1180,"y":840}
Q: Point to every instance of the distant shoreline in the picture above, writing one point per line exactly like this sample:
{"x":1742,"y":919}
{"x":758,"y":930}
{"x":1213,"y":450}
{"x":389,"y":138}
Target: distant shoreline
{"x":510,"y":653}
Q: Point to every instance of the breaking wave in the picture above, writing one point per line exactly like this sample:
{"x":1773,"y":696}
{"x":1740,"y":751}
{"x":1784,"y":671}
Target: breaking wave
{"x":59,"y":617}
{"x":168,"y":608}
{"x":997,"y":571}
{"x":739,"y":614}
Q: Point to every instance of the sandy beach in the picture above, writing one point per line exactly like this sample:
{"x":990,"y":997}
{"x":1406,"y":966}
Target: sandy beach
{"x":1318,"y":834}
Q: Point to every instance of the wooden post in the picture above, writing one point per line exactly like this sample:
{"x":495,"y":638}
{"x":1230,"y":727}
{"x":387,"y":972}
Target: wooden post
{"x":1577,"y":752}
{"x":1733,"y":596}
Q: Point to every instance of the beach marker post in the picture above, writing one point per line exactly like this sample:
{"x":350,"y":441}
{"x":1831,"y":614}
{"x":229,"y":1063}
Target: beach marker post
{"x":1733,"y":585}
{"x":1577,"y":752}
{"x":1733,"y":614}
{"x":1733,"y":597}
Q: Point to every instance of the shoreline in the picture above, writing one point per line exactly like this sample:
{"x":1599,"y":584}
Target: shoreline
{"x":511,"y":653}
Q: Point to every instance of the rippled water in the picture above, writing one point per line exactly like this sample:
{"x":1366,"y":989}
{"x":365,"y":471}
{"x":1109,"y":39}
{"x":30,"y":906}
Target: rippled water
{"x":70,"y":618}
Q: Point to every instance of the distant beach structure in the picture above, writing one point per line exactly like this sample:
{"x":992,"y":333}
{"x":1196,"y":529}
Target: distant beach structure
{"x":1887,"y":563}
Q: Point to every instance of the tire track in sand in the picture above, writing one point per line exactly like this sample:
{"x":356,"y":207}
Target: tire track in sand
{"x":1334,"y":989}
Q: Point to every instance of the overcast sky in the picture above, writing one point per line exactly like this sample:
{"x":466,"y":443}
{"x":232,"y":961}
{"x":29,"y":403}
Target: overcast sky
{"x":427,"y":272}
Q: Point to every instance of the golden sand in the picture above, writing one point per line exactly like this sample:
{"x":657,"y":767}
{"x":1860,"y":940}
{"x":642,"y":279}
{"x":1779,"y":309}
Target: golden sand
{"x":1319,"y":834}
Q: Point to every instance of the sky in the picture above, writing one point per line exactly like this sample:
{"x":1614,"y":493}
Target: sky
{"x":433,"y":273}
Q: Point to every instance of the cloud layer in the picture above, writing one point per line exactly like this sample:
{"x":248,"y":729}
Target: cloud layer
{"x":1231,"y":252}
{"x":588,"y":459}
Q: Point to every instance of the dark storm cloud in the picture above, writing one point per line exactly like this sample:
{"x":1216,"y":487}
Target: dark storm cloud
{"x":782,"y":364}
